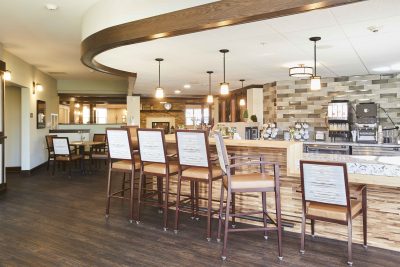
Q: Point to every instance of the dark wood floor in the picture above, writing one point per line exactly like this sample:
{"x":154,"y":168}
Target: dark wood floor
{"x":57,"y":221}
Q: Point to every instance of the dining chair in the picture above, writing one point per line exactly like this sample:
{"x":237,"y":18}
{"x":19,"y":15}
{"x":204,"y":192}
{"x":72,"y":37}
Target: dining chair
{"x":99,"y":152}
{"x":63,"y":153}
{"x":326,"y":197}
{"x":50,"y":149}
{"x":196,"y":167}
{"x":260,"y":182}
{"x":154,"y":162}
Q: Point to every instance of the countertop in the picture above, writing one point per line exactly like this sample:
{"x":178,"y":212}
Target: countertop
{"x":349,"y":144}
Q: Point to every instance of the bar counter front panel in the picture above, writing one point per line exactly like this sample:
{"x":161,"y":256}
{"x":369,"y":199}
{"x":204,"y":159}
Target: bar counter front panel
{"x":382,"y":194}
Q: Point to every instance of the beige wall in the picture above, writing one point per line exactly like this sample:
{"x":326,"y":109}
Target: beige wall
{"x":92,"y":86}
{"x":12,"y":117}
{"x":33,"y":152}
{"x":114,"y":115}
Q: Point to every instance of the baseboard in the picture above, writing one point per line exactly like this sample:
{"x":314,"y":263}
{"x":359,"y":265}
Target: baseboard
{"x":3,"y":187}
{"x":31,"y":171}
{"x":13,"y":169}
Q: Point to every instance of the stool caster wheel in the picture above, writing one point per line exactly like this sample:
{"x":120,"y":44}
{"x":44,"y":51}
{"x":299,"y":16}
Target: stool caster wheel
{"x":313,"y":236}
{"x":160,"y":211}
{"x":165,"y":229}
{"x":365,"y":247}
{"x":107,"y":215}
{"x":219,"y":240}
{"x":233,"y":226}
{"x":192,"y":217}
{"x":266,"y":237}
{"x":176,"y":232}
{"x":130,"y":221}
{"x":197,"y":218}
{"x":280,"y":258}
{"x":223,"y":258}
{"x":350,"y":263}
{"x":302,"y":252}
{"x":137,"y":222}
{"x":208,"y":239}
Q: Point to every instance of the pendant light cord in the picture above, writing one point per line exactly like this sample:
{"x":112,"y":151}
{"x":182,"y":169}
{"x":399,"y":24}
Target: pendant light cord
{"x":315,"y":58}
{"x":209,"y":83}
{"x":224,"y":67}
{"x":159,"y":74}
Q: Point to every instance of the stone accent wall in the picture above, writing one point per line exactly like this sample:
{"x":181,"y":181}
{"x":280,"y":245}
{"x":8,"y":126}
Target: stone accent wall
{"x":294,"y":101}
{"x":155,"y":110}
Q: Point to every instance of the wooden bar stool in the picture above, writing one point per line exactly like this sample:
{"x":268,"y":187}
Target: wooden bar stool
{"x":63,"y":153}
{"x":121,"y":160}
{"x":154,"y":161}
{"x":326,"y":197}
{"x":195,"y":166}
{"x":251,"y":182}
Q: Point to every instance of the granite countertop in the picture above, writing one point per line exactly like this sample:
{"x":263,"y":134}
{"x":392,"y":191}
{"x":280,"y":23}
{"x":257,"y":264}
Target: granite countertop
{"x":366,"y":165}
{"x":349,"y":144}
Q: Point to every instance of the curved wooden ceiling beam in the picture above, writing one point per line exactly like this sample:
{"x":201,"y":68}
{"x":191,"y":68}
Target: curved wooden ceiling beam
{"x":190,"y":20}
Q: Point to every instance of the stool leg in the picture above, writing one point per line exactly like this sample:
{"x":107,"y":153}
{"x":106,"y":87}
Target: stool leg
{"x":108,"y":192}
{"x":178,"y":198}
{"x":160,"y":196}
{"x":196,"y":189}
{"x":264,"y":206}
{"x":141,"y":178}
{"x":54,"y":166}
{"x":209,"y":208}
{"x":221,"y":208}
{"x":313,"y":228}
{"x":303,"y":232}
{"x":227,"y":209}
{"x":166,"y":201}
{"x":192,"y":198}
{"x":279,"y":220}
{"x":233,"y":210}
{"x":123,"y":186}
{"x":131,"y":195}
{"x":364,"y":214}
{"x":349,"y":242}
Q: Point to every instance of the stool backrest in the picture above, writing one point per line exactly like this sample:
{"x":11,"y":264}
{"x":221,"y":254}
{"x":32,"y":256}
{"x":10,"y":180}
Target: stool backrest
{"x":193,"y":148}
{"x":325,"y":182}
{"x":152,"y":145}
{"x":119,"y":145}
{"x":61,"y":146}
{"x":221,"y":151}
{"x":133,"y":133}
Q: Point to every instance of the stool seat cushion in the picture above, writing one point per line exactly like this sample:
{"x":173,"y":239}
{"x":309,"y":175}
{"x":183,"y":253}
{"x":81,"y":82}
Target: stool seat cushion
{"x":160,"y":168}
{"x":201,"y":172}
{"x":250,"y":181}
{"x":334,"y":212}
{"x":125,"y":165}
{"x":99,"y":155}
{"x":68,"y":158}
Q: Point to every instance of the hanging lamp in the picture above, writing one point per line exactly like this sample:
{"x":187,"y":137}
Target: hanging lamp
{"x":210,"y":98}
{"x":301,"y":71}
{"x":224,"y":89}
{"x":242,"y":101}
{"x":159,"y":91}
{"x":7,"y":75}
{"x":315,"y":80}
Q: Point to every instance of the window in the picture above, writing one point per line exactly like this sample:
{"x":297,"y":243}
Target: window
{"x":86,"y":114}
{"x":101,"y":115}
{"x":194,"y":116}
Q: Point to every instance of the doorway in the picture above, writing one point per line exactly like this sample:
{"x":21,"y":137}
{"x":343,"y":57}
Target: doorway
{"x":12,"y":121}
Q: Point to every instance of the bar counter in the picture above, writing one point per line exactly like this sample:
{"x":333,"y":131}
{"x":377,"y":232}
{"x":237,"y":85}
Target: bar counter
{"x":381,"y":174}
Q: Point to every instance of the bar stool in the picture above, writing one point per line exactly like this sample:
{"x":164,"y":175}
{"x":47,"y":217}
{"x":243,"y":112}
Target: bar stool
{"x":252,"y":182}
{"x":326,"y":197}
{"x":120,"y":160}
{"x":63,"y":153}
{"x":154,"y":161}
{"x":195,"y":166}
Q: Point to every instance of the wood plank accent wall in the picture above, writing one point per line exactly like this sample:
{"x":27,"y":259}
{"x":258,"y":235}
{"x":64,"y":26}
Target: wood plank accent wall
{"x":287,"y":102}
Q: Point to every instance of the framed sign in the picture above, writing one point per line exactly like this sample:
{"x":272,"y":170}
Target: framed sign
{"x":192,"y":148}
{"x":118,"y":144}
{"x":151,"y":146}
{"x":40,"y":114}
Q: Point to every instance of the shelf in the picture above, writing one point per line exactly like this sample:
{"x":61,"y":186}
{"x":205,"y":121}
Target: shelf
{"x":161,"y":111}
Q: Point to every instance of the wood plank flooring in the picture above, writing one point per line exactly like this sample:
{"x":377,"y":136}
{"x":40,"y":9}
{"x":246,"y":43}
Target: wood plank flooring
{"x":59,"y":221}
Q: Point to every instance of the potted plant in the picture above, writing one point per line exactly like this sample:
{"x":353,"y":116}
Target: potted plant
{"x":245,"y":115}
{"x":253,"y":118}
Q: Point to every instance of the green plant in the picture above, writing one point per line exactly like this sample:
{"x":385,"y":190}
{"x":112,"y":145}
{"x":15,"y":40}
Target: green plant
{"x":253,"y":118}
{"x":245,"y":114}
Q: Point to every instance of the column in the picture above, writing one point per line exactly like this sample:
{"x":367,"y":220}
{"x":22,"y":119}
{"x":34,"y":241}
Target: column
{"x":133,"y":110}
{"x":255,"y":103}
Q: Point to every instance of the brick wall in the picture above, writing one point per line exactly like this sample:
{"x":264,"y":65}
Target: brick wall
{"x":287,"y":102}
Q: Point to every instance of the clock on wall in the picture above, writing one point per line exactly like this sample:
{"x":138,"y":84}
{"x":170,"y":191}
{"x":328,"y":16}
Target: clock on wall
{"x":167,"y":106}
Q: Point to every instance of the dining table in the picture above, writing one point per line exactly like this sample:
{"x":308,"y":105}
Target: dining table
{"x":81,"y":145}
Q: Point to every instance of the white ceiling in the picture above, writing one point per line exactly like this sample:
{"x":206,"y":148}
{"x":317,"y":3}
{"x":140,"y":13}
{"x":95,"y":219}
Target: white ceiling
{"x":262,"y":52}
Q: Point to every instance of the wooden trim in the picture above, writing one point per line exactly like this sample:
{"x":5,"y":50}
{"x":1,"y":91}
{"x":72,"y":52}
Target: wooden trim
{"x":13,"y":169}
{"x":3,"y":187}
{"x":31,"y":171}
{"x":190,"y":20}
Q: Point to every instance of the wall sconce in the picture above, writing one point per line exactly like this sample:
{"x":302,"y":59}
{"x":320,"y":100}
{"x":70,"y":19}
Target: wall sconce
{"x":37,"y":87}
{"x":7,"y":75}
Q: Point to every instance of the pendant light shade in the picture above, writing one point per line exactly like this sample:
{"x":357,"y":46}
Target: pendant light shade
{"x":315,"y":80}
{"x":242,"y":102}
{"x":7,"y":75}
{"x":210,"y":98}
{"x":224,"y":87}
{"x":159,"y":90}
{"x":301,"y":71}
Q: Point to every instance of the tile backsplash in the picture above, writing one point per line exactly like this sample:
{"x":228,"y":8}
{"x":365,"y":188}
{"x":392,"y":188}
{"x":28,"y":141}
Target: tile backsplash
{"x":289,"y":101}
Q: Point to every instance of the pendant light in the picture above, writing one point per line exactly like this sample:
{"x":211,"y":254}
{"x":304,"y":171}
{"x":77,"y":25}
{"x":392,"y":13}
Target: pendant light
{"x":210,"y":98}
{"x":301,"y":71}
{"x":315,"y":80}
{"x":242,"y":102}
{"x":159,"y":90}
{"x":224,"y":89}
{"x":7,"y":75}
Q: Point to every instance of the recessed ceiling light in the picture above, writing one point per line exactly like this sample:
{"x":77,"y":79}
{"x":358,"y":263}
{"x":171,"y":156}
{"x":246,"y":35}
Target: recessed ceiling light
{"x":187,"y":86}
{"x":374,"y":29}
{"x":177,"y":92}
{"x":51,"y":7}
